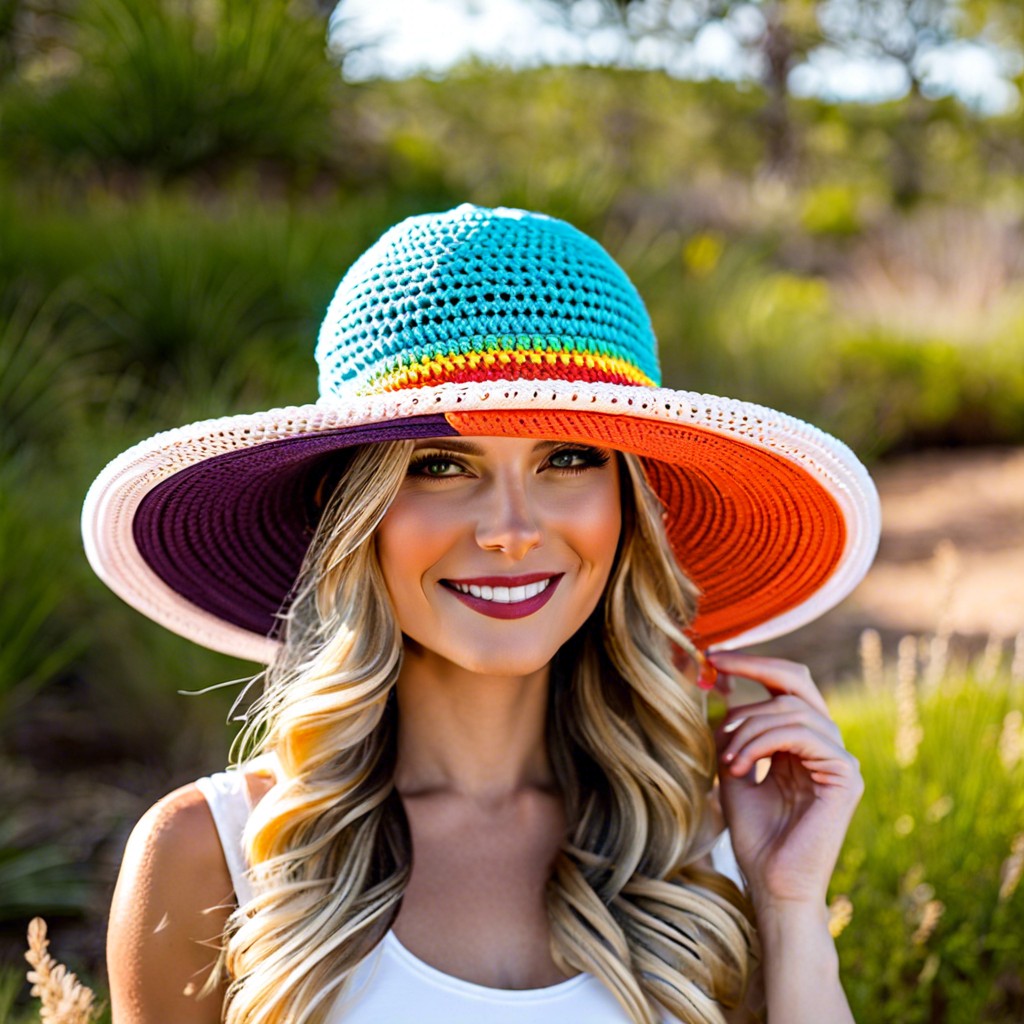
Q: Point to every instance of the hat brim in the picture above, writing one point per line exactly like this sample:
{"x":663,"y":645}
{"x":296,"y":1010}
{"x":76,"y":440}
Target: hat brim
{"x":204,"y":528}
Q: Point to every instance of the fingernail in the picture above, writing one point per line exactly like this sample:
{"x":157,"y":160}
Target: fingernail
{"x":708,"y":676}
{"x":733,"y":725}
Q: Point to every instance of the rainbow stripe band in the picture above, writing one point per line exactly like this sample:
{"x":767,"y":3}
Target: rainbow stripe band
{"x":518,"y":363}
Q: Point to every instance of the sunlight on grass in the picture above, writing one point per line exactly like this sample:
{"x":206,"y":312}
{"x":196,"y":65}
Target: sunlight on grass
{"x":933,"y":858}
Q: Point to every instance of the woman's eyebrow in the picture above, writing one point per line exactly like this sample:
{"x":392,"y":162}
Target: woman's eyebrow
{"x":544,"y":446}
{"x":450,"y":444}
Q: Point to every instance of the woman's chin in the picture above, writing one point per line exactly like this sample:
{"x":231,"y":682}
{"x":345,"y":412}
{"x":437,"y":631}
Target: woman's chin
{"x":489,"y":660}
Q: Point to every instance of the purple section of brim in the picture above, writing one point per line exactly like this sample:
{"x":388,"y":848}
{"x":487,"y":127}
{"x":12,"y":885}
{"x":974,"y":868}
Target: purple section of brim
{"x":229,"y":533}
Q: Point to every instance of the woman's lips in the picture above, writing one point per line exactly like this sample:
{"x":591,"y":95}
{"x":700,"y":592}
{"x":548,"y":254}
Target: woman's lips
{"x":505,"y":597}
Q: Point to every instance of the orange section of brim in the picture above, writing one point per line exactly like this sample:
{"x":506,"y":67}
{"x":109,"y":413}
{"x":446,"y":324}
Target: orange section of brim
{"x":756,"y":532}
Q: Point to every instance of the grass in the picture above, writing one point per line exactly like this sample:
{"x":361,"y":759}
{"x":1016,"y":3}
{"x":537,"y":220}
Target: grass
{"x":930,"y":857}
{"x":64,"y":999}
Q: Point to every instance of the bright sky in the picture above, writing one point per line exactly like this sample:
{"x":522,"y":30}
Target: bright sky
{"x":409,"y":36}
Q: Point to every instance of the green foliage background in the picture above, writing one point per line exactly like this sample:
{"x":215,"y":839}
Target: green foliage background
{"x":183,"y":184}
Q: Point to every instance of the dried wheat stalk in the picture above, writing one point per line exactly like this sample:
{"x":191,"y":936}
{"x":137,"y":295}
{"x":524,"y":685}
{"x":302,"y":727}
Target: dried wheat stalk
{"x":65,"y":1000}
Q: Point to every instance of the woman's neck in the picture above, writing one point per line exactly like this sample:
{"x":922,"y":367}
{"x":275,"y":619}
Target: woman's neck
{"x":470,"y":735}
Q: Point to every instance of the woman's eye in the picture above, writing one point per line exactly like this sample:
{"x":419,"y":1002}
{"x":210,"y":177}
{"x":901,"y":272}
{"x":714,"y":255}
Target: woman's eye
{"x":567,"y":460}
{"x":434,"y":466}
{"x":578,"y":458}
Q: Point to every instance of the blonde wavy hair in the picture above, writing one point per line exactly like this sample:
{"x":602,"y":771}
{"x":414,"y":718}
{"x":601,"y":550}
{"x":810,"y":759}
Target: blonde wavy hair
{"x":633,"y":755}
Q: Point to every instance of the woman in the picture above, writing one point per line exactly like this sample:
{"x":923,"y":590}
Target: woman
{"x":479,"y":781}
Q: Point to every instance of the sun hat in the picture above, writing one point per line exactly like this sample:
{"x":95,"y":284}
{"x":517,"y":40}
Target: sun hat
{"x":486,"y":322}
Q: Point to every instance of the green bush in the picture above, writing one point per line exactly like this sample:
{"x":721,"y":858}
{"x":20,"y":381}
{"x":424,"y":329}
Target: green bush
{"x":570,"y":141}
{"x":889,"y":392}
{"x":38,"y":614}
{"x":175,"y":301}
{"x":37,"y":877}
{"x":831,"y":209}
{"x":176,"y":87}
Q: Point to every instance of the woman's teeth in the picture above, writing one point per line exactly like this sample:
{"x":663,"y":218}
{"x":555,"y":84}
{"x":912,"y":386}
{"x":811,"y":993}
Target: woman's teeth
{"x":504,"y":595}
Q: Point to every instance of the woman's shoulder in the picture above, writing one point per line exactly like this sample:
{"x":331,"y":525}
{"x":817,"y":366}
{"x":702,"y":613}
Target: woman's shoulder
{"x":180,"y":814}
{"x":176,"y":839}
{"x":171,"y":901}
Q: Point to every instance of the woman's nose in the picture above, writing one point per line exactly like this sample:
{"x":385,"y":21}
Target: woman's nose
{"x":508,"y":522}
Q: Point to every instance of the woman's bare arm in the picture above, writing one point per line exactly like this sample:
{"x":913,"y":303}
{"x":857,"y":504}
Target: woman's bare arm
{"x":788,"y":829}
{"x":172,"y":898}
{"x":801,"y":966}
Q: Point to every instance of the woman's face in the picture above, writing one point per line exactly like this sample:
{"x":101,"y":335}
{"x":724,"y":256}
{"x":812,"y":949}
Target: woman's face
{"x":496,"y":550}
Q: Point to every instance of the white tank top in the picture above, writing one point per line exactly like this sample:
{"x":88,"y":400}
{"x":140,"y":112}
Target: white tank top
{"x":395,"y":986}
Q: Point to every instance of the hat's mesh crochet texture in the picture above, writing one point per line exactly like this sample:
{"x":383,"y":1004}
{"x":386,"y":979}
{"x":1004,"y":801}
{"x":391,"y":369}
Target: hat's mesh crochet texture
{"x":478,"y":294}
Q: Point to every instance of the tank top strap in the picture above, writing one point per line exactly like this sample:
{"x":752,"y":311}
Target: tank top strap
{"x":228,"y":796}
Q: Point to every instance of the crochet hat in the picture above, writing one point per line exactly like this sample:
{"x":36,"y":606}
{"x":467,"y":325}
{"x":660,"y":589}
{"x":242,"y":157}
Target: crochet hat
{"x":488,"y":323}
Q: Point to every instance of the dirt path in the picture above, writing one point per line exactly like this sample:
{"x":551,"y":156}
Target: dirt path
{"x":952,"y":552}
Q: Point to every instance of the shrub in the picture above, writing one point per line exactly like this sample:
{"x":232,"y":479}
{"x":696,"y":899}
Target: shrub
{"x":175,"y":87}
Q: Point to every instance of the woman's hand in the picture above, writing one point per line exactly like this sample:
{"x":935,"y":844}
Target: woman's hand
{"x":786,"y":832}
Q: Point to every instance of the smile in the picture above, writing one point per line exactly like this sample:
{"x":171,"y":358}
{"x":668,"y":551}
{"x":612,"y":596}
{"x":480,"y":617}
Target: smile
{"x":504,"y":595}
{"x":505,"y":598}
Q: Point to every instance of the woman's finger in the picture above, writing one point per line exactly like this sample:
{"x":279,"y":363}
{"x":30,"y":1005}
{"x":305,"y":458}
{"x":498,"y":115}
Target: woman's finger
{"x":783,"y":704}
{"x":806,"y":744}
{"x":830,"y":771}
{"x":753,"y":720}
{"x":776,"y":674}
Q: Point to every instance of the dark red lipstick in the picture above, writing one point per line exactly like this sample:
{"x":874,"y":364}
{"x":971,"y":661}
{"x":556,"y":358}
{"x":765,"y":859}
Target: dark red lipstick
{"x":499,"y":609}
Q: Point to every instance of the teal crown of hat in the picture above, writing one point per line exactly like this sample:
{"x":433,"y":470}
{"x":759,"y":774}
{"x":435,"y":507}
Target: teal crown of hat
{"x":477,"y":294}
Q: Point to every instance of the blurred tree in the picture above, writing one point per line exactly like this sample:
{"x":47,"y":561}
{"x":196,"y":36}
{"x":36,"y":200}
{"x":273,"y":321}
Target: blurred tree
{"x":775,"y":34}
{"x":1002,"y":19}
{"x":903,"y":31}
{"x":907,"y":33}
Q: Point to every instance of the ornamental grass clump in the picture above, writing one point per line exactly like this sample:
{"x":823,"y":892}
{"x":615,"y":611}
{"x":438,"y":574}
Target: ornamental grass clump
{"x":934,"y":856}
{"x":65,"y":1000}
{"x":1012,"y":869}
{"x":908,"y":727}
